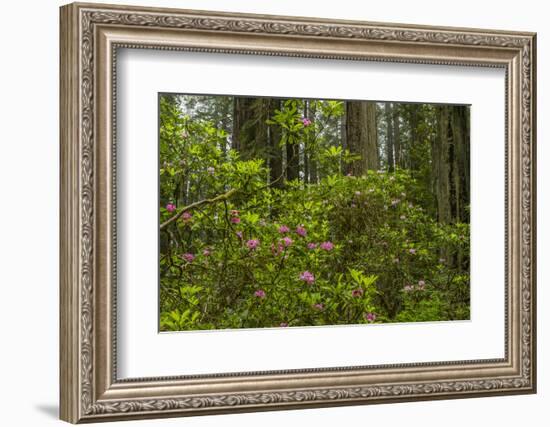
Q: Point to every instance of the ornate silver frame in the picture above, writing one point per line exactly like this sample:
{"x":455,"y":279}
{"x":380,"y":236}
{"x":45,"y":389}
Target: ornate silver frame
{"x":90,"y":36}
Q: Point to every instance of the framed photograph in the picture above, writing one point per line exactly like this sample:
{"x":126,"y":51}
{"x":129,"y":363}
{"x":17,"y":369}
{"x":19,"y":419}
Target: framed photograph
{"x":267,"y":212}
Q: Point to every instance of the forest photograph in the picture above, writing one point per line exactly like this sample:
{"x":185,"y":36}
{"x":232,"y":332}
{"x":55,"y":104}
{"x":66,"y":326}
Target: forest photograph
{"x":291,"y":212}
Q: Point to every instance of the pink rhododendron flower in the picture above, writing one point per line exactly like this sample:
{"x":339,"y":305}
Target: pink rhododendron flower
{"x":312,"y":246}
{"x":239,"y":234}
{"x":235,"y":220}
{"x":211,"y":170}
{"x":306,"y":122}
{"x":287,"y":241}
{"x":319,"y":306}
{"x":301,"y":231}
{"x":186,"y":217}
{"x":408,"y":288}
{"x":253,"y":243}
{"x":327,"y":246}
{"x":170,"y":207}
{"x":307,"y":277}
{"x":206,"y":252}
{"x":283,"y":324}
{"x":370,"y":317}
{"x":421,"y":285}
{"x":188,"y":257}
{"x":283,"y":229}
{"x":349,"y":174}
{"x":412,"y":251}
{"x":260,"y":293}
{"x":356,"y":293}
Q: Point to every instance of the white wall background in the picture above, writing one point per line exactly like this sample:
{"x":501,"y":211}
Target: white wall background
{"x":29,"y":170}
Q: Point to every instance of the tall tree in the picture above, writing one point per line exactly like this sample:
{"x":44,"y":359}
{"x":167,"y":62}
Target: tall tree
{"x":440,"y":165}
{"x":362,"y":135}
{"x":451,"y":164}
{"x":250,"y":130}
{"x":460,"y":155}
{"x":275,"y":150}
{"x":388,"y":117}
{"x":292,"y":161}
{"x":396,"y":134}
{"x":414,"y":119}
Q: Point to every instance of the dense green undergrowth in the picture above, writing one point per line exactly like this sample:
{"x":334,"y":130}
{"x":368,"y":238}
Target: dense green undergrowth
{"x":242,"y":253}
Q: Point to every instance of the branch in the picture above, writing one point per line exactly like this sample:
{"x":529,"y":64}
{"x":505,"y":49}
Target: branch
{"x":216,"y":199}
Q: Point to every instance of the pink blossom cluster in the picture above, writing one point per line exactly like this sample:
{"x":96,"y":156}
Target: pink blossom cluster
{"x":235,"y":217}
{"x":260,"y":293}
{"x":301,"y":231}
{"x":287,"y":241}
{"x":283,"y":229}
{"x":327,"y":246}
{"x":419,"y":287}
{"x":370,"y":317}
{"x":189,"y":257}
{"x":186,"y":216}
{"x":307,"y":277}
{"x":253,"y":244}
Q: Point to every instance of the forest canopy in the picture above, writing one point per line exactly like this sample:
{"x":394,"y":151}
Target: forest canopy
{"x":301,"y":212}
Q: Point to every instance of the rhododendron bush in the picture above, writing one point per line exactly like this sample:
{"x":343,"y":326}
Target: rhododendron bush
{"x":242,"y":248}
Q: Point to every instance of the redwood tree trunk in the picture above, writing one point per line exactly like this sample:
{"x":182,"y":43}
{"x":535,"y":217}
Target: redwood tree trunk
{"x":275,"y":150}
{"x":361,"y":136}
{"x":389,"y":136}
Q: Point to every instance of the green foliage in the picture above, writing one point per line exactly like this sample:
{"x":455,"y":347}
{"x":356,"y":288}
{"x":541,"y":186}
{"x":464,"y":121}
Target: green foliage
{"x":343,"y":250}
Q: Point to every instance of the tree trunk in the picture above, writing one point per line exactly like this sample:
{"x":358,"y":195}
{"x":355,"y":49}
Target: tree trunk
{"x":292,"y":161}
{"x":276,"y":152}
{"x":242,"y":114}
{"x":451,"y":164}
{"x":389,"y":136}
{"x":250,"y":132}
{"x":413,"y":122}
{"x":361,"y":136}
{"x":396,"y":133}
{"x":461,"y":162}
{"x":441,"y":165}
